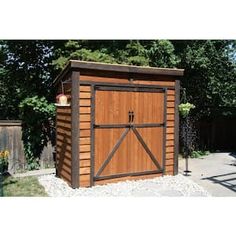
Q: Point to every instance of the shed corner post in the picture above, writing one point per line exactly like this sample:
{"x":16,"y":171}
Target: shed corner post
{"x":176,"y":150}
{"x":75,"y":77}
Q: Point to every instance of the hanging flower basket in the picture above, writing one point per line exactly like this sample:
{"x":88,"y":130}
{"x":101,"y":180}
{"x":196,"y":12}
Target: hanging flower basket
{"x":4,"y":161}
{"x":184,"y":109}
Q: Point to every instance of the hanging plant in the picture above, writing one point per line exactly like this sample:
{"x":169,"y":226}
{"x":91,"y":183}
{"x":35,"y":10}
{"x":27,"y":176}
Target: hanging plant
{"x":184,"y":108}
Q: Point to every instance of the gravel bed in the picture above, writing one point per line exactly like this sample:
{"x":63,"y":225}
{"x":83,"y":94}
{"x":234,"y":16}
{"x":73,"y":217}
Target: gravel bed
{"x":166,"y":186}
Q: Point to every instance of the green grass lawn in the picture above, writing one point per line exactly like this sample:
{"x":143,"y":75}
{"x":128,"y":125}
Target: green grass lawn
{"x":22,"y":187}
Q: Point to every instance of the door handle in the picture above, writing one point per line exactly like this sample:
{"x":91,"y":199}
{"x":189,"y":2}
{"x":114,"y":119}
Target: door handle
{"x":129,"y":114}
{"x":132,"y":116}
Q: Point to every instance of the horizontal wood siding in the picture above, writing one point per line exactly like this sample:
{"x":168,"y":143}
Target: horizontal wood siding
{"x":85,"y":139}
{"x":126,"y":80}
{"x":170,"y":142}
{"x":99,"y":79}
{"x":161,"y":83}
{"x":63,"y":139}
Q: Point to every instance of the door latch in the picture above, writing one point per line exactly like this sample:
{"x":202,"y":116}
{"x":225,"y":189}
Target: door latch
{"x":131,"y":116}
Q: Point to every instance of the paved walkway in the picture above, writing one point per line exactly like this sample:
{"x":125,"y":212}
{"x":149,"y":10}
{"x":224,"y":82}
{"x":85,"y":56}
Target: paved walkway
{"x":216,"y":173}
{"x":36,"y":172}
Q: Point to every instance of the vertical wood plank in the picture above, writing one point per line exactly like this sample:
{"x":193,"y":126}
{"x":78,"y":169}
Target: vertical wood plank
{"x":176,"y":132}
{"x":92,"y":134}
{"x":164,"y":132}
{"x":11,"y":139}
{"x":75,"y":129}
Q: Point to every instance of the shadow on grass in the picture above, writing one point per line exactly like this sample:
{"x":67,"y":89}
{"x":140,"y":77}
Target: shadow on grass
{"x":8,"y":182}
{"x":22,"y":187}
{"x":226,"y":180}
{"x":3,"y":178}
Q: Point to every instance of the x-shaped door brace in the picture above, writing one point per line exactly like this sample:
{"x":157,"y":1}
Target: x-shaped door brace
{"x":117,"y":145}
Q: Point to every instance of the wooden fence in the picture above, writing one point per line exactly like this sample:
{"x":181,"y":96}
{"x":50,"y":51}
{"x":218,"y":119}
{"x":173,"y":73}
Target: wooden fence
{"x":11,"y":139}
{"x":218,"y":134}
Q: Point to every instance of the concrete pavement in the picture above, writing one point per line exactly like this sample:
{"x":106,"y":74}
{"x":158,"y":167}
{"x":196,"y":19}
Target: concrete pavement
{"x":35,"y":172}
{"x":216,"y":173}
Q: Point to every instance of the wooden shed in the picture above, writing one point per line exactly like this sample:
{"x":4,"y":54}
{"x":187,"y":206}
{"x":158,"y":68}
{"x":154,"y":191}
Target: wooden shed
{"x":121,"y":123}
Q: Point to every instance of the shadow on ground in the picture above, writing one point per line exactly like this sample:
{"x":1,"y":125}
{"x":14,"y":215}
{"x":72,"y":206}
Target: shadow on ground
{"x":226,"y":180}
{"x":233,"y":154}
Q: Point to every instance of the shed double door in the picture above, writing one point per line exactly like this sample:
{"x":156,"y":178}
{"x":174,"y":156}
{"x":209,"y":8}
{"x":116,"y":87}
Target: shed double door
{"x":128,"y":131}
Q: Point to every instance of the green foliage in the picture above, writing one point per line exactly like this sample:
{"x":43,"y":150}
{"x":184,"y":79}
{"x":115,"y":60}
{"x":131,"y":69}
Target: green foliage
{"x":136,"y":54}
{"x":3,"y":74}
{"x":161,"y":54}
{"x":37,"y":116}
{"x":198,"y":154}
{"x":27,"y":69}
{"x":27,"y":73}
{"x":74,"y":50}
{"x":23,"y":187}
{"x":210,"y":75}
{"x":132,"y":52}
{"x":184,"y":108}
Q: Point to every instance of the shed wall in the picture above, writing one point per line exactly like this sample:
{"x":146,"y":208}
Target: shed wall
{"x":85,"y":135}
{"x":63,"y":138}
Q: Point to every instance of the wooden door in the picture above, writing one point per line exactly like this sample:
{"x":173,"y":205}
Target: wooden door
{"x":147,"y":136}
{"x":111,"y":117}
{"x":128,"y":132}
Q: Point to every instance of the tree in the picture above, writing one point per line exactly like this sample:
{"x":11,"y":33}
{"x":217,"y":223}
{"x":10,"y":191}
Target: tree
{"x":210,"y":75}
{"x":27,"y":69}
{"x":5,"y":100}
{"x":28,"y":91}
{"x":27,"y":66}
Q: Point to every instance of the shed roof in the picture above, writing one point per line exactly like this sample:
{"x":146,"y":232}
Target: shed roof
{"x":76,"y":64}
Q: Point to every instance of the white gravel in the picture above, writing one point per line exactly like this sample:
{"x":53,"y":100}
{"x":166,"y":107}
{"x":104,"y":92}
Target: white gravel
{"x":166,"y":186}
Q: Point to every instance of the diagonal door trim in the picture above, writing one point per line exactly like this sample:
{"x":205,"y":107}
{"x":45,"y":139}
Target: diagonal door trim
{"x":140,"y":139}
{"x":117,"y":145}
{"x":111,"y":154}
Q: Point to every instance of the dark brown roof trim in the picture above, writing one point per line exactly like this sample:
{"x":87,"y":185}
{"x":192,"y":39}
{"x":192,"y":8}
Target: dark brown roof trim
{"x":118,"y":68}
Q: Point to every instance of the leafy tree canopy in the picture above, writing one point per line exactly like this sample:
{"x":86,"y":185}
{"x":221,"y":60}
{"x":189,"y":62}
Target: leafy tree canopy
{"x":210,"y":75}
{"x":27,"y":69}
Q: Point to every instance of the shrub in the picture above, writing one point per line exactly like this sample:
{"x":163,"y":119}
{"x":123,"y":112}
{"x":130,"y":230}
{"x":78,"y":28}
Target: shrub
{"x":37,"y":116}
